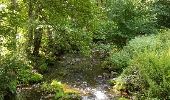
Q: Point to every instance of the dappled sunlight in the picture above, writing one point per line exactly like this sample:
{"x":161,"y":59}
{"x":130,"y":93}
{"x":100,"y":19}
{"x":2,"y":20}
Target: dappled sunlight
{"x":84,"y":49}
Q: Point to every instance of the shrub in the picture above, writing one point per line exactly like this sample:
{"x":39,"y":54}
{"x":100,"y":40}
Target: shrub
{"x":35,"y":77}
{"x":162,"y":10}
{"x":148,"y":69}
{"x":131,"y":18}
{"x":138,"y":45}
{"x":61,"y":91}
{"x":121,"y":58}
{"x":14,"y":70}
{"x":43,"y":67}
{"x":153,"y":73}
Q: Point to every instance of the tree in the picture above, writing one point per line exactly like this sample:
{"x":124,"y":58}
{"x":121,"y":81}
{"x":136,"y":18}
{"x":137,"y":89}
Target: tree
{"x":30,"y":27}
{"x":129,"y":18}
{"x":162,"y":10}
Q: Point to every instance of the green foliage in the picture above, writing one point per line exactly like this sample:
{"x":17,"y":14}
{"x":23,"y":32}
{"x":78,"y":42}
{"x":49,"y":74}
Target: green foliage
{"x":24,"y":76}
{"x":120,"y":59}
{"x":71,"y":97}
{"x":42,"y":63}
{"x":154,"y":69}
{"x":43,"y":67}
{"x":7,"y":74}
{"x":47,"y":87}
{"x":135,"y":46}
{"x":71,"y":32}
{"x":123,"y":98}
{"x":15,"y":67}
{"x":101,"y":50}
{"x":61,"y":91}
{"x":36,"y":77}
{"x":148,"y":69}
{"x":112,"y":82}
{"x":36,"y":33}
{"x":120,"y":84}
{"x":131,"y":18}
{"x":55,"y":87}
{"x":56,"y":84}
{"x":162,"y":10}
{"x":14,"y":70}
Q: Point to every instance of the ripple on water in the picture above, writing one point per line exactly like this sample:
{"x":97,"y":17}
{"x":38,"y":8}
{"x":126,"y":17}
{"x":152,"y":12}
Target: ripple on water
{"x":96,"y":95}
{"x":99,"y":95}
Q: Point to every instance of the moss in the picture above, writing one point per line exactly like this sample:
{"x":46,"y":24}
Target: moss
{"x":120,"y":84}
{"x":112,"y":82}
{"x":68,"y":90}
{"x":56,"y":84}
{"x":61,"y":91}
{"x":36,"y":77}
{"x":122,"y":98}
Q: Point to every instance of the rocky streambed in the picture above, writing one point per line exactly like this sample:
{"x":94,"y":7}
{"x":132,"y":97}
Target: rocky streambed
{"x":81,"y":73}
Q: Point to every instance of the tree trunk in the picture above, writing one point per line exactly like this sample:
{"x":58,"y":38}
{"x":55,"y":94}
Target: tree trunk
{"x":50,"y":38}
{"x":38,"y":32}
{"x":37,"y":41}
{"x":13,"y":9}
{"x":30,"y":28}
{"x":14,"y":4}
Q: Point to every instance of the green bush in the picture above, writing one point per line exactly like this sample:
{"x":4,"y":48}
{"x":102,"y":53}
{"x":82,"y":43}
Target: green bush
{"x":153,"y":71}
{"x":43,"y":67}
{"x":162,"y":10}
{"x":138,"y":45}
{"x":35,"y":77}
{"x":24,"y":76}
{"x":54,"y":87}
{"x":121,"y":58}
{"x":148,"y":71}
{"x":131,"y":18}
{"x":27,"y":76}
{"x":12,"y":72}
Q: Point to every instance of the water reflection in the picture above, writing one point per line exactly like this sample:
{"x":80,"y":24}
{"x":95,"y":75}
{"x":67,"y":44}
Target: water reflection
{"x":95,"y":94}
{"x":99,"y":95}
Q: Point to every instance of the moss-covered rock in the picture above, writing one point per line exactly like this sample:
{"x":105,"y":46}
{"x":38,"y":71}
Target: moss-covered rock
{"x":35,"y":77}
{"x":61,"y":91}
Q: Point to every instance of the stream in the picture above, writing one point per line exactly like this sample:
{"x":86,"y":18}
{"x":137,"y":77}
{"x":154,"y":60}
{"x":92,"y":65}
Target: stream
{"x":83,"y":73}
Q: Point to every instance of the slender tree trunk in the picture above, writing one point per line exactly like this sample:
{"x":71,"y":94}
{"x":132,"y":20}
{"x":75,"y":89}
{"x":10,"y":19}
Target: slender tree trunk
{"x":38,"y":32}
{"x":14,"y":8}
{"x":14,"y":4}
{"x":50,"y":38}
{"x":50,"y":42}
{"x":37,"y":41}
{"x":30,"y":28}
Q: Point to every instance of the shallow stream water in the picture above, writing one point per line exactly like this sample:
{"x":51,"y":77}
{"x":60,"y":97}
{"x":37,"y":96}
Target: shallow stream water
{"x":83,"y":73}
